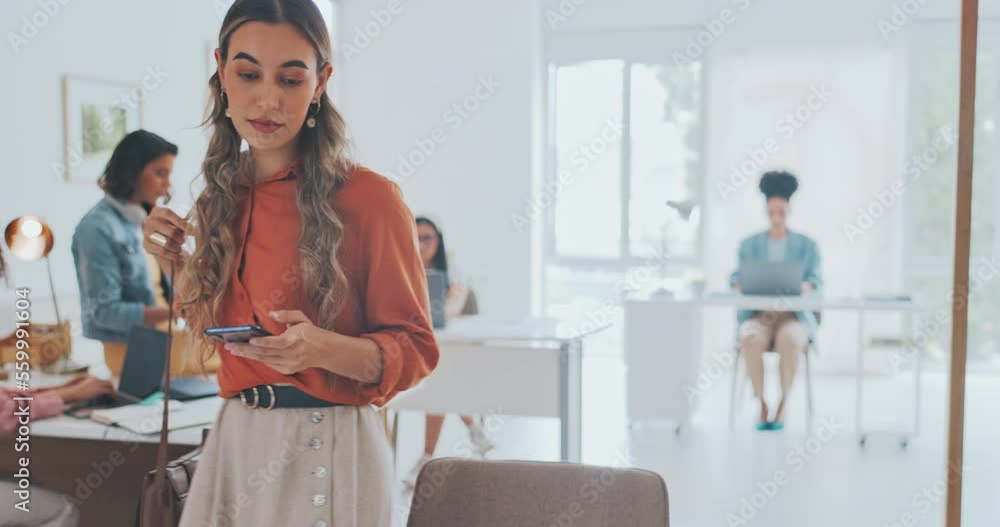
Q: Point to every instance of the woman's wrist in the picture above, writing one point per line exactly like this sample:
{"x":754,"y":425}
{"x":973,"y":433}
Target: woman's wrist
{"x":321,"y":342}
{"x":353,"y":357}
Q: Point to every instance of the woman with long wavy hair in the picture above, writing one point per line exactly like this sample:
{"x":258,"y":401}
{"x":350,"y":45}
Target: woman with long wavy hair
{"x":294,"y":237}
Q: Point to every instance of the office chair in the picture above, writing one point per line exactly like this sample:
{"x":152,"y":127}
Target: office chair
{"x":738,"y":379}
{"x":452,"y":492}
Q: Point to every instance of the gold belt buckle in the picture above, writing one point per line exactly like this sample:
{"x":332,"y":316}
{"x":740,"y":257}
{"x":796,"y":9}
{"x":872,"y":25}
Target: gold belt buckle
{"x":274,"y":398}
{"x":256,"y":398}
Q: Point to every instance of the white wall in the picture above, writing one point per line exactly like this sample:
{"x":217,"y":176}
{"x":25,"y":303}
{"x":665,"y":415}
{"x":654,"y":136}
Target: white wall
{"x":401,"y":87}
{"x":115,"y":40}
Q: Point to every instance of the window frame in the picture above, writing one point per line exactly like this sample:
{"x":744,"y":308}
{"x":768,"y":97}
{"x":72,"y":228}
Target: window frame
{"x":626,"y":259}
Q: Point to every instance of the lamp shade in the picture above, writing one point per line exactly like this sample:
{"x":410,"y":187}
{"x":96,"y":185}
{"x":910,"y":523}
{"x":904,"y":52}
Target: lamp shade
{"x":29,"y":238}
{"x":683,"y":208}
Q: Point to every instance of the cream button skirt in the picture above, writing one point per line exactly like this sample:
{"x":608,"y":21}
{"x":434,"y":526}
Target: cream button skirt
{"x":322,"y":467}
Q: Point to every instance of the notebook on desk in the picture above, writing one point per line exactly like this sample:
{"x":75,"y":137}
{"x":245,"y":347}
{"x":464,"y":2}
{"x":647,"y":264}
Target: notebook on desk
{"x":149,"y":419}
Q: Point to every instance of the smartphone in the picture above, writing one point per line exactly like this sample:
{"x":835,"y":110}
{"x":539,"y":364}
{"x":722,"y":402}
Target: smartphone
{"x":237,"y":333}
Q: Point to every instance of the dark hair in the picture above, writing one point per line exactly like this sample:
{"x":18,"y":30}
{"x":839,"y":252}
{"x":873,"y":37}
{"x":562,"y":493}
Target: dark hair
{"x":778,"y":184}
{"x":440,"y":260}
{"x":3,"y":269}
{"x":133,"y":153}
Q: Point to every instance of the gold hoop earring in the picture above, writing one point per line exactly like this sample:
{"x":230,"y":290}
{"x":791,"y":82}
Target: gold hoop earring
{"x":225,"y":102}
{"x":311,"y":121}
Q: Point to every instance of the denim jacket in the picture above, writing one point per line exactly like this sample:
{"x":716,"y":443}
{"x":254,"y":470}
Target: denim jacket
{"x":798,"y":248}
{"x":111,"y":270}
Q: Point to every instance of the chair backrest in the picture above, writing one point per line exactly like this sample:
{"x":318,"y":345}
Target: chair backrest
{"x":471,"y":306}
{"x":453,"y":492}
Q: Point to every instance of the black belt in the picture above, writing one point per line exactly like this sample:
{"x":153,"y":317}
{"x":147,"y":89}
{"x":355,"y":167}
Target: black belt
{"x":270,"y":396}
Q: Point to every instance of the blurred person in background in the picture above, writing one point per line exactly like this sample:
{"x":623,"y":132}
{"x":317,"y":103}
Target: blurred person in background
{"x":457,"y":303}
{"x":121,"y":285}
{"x":787,"y":333}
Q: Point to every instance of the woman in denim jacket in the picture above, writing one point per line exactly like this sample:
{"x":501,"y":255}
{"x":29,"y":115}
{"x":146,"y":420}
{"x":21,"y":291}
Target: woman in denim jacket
{"x":120,"y":286}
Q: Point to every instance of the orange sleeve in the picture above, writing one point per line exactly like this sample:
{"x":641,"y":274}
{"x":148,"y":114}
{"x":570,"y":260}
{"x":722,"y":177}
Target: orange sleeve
{"x":396,"y":304}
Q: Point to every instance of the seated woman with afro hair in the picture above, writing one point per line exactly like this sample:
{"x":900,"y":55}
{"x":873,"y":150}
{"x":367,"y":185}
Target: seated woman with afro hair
{"x":787,"y":333}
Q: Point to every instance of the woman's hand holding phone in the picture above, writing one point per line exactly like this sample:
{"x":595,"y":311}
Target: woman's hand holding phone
{"x":288,"y":353}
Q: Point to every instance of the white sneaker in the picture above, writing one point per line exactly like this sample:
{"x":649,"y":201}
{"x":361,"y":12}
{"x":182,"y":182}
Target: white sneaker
{"x":410,"y":481}
{"x":480,"y":441}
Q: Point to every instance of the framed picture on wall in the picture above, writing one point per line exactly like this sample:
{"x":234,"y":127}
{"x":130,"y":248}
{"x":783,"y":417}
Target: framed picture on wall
{"x":96,"y":116}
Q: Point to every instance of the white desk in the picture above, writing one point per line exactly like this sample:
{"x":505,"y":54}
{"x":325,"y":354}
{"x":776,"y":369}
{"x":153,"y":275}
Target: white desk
{"x":528,"y":367}
{"x":488,"y":366}
{"x":66,"y":427}
{"x":663,"y":347}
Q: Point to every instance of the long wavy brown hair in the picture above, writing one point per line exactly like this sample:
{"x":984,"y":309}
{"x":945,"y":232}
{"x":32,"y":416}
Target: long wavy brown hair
{"x":325,"y":166}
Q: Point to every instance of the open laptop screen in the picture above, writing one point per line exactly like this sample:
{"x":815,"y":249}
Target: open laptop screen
{"x":142,"y":373}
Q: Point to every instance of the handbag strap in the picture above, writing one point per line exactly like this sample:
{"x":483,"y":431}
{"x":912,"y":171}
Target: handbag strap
{"x":161,"y":453}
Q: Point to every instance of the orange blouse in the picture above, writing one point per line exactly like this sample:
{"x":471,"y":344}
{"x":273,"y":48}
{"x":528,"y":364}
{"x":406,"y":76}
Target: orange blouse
{"x":386,"y":299}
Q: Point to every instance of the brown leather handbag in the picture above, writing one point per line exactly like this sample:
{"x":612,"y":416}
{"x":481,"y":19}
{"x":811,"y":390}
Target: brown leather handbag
{"x":165,"y":489}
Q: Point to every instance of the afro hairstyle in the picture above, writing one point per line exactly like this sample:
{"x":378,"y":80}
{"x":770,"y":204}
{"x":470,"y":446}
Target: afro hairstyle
{"x":778,"y":184}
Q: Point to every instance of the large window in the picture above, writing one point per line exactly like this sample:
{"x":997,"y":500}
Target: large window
{"x":627,"y":136}
{"x":625,"y":139}
{"x":931,"y":203}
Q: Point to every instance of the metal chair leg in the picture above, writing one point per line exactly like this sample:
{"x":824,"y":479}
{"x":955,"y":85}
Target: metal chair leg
{"x":734,"y":392}
{"x":809,"y":389}
{"x":393,"y":442}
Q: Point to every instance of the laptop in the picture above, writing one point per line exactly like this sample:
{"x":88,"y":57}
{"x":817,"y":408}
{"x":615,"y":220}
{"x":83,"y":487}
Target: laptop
{"x":142,"y":376}
{"x":437,"y":289}
{"x":147,"y":345}
{"x":771,"y":278}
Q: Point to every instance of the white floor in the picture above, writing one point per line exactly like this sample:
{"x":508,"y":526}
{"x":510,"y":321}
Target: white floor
{"x":793,"y":478}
